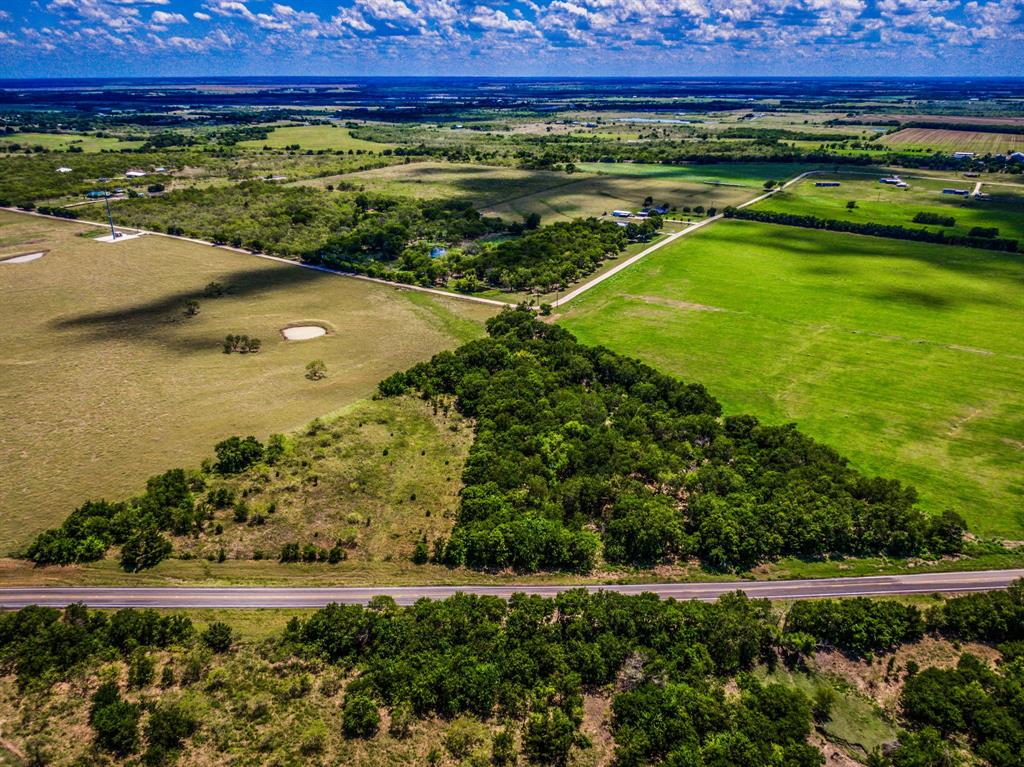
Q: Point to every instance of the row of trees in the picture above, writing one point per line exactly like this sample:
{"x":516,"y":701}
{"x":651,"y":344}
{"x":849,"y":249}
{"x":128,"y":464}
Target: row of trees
{"x":171,"y":503}
{"x":875,"y":230}
{"x":578,"y":448}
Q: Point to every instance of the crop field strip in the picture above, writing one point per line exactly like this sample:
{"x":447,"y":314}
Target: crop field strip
{"x":955,"y":140}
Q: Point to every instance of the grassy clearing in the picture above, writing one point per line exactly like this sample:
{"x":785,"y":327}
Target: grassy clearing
{"x":955,"y":140}
{"x":856,"y":723}
{"x":598,"y":195}
{"x":752,"y":174}
{"x":885,"y":204}
{"x":314,"y":137}
{"x":905,"y":357}
{"x":106,"y":381}
{"x":64,"y":141}
{"x":482,"y":184}
{"x":379,"y":478}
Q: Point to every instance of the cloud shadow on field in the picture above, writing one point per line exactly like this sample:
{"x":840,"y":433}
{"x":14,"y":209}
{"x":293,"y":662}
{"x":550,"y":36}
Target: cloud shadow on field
{"x":150,"y":320}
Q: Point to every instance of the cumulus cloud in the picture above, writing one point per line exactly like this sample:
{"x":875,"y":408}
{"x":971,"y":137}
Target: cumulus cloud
{"x":662,"y":33}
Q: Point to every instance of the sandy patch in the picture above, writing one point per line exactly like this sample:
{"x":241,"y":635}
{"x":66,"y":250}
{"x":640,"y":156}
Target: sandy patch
{"x":686,"y":305}
{"x":303,"y":332}
{"x":23,"y":259}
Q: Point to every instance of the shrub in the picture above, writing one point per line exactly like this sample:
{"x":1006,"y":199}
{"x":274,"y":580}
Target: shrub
{"x":217,"y":637}
{"x":359,"y":717}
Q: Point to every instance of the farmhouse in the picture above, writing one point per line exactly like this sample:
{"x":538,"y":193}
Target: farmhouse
{"x":961,"y":192}
{"x":827,"y":183}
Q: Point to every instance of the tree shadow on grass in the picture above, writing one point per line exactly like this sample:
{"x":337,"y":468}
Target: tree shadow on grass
{"x":149,"y":320}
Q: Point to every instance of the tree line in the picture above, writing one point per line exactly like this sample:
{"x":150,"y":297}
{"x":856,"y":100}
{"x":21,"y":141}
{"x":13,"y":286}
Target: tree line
{"x":891,"y":231}
{"x":525,"y":664}
{"x":579,"y":451}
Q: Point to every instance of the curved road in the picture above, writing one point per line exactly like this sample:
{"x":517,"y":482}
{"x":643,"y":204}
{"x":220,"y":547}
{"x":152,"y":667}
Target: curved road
{"x":259,"y":597}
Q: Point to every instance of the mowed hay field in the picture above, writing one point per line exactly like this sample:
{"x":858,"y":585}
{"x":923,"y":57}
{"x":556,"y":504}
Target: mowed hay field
{"x":104,"y":381}
{"x":956,"y":140}
{"x":908,"y":358}
{"x":315,"y":137}
{"x":599,"y":194}
{"x":885,"y":204}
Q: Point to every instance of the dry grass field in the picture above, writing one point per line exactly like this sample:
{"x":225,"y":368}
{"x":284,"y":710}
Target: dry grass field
{"x":596,"y":195}
{"x":956,"y":140}
{"x":105,"y":381}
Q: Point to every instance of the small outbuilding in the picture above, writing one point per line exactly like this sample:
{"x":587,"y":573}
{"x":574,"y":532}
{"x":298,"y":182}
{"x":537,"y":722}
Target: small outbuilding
{"x":64,"y":170}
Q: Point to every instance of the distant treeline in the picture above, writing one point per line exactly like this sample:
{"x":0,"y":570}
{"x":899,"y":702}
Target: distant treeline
{"x":875,"y":230}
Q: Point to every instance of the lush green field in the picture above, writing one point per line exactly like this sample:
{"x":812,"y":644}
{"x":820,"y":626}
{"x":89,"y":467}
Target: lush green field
{"x":740,"y":173}
{"x":105,"y":381}
{"x":314,"y":137}
{"x":906,"y":357}
{"x":885,"y":204}
{"x":62,"y":141}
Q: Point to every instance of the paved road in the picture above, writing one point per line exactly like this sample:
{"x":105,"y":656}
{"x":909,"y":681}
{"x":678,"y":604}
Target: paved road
{"x":255,"y":597}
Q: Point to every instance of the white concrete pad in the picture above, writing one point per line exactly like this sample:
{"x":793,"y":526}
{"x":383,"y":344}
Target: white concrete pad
{"x":303,"y":332}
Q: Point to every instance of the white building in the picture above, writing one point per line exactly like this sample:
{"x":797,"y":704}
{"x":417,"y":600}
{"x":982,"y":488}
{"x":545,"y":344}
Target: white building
{"x":63,"y":170}
{"x":135,"y":174}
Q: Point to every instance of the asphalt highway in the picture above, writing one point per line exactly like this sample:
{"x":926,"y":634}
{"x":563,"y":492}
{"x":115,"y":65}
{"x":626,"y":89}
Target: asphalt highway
{"x":261,"y":597}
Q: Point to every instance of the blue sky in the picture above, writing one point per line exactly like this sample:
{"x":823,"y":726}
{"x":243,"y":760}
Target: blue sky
{"x":68,"y":38}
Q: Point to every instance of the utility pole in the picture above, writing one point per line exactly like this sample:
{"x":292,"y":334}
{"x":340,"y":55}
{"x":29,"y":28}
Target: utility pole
{"x":110,"y":218}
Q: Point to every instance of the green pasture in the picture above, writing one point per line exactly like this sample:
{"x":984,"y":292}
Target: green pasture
{"x":908,"y":358}
{"x":64,"y":141}
{"x":314,"y":137}
{"x":885,"y":204}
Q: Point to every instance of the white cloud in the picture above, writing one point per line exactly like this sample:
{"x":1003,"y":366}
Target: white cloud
{"x":201,"y":16}
{"x":493,"y":19}
{"x":161,"y":17}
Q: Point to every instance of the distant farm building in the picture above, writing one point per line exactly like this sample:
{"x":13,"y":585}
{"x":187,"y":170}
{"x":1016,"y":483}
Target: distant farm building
{"x":1016,"y":157}
{"x":894,"y":180}
{"x":963,"y":155}
{"x":64,"y":170}
{"x":961,"y":192}
{"x":621,"y":213}
{"x":135,"y":174}
{"x":827,"y":183}
{"x":642,"y":214}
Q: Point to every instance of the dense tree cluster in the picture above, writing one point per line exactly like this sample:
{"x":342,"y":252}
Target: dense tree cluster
{"x":577,"y":447}
{"x":135,"y":525}
{"x":40,"y":644}
{"x":857,"y":626}
{"x":532,"y":658}
{"x":973,"y":701}
{"x":935,"y":219}
{"x":874,"y":230}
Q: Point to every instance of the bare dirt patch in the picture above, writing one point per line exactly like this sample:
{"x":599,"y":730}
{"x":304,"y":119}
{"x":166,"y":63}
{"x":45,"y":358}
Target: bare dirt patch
{"x":872,"y":680}
{"x":23,"y":258}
